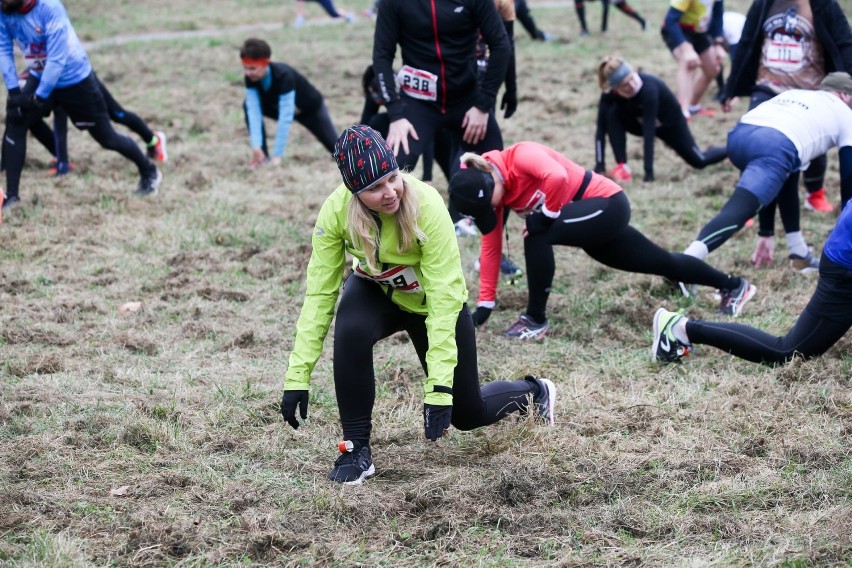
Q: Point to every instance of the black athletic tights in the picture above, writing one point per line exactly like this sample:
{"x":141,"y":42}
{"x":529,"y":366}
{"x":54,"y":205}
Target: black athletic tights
{"x":85,"y":104}
{"x":601,"y":227}
{"x":826,"y":319}
{"x":365,"y":316}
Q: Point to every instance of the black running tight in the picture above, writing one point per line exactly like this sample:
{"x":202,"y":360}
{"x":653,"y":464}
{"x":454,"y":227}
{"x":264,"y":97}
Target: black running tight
{"x":826,"y":319}
{"x":365,"y":316}
{"x":742,"y":206}
{"x":600,"y":226}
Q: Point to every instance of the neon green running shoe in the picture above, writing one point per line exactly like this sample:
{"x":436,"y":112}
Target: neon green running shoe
{"x":666,"y":347}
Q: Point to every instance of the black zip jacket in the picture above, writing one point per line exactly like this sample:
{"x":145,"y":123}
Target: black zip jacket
{"x":439,"y":36}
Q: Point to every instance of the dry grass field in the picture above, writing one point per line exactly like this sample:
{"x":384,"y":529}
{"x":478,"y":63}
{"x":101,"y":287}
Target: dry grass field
{"x":153,"y":438}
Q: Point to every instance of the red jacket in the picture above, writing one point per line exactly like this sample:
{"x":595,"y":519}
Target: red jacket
{"x":535,"y":178}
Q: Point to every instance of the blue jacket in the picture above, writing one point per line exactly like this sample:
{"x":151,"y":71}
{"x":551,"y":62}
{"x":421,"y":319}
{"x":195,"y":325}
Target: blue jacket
{"x":50,"y":45}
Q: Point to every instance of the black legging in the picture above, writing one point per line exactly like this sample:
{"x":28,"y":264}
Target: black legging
{"x":119,"y":114}
{"x":116,"y":112}
{"x":365,"y":316}
{"x":826,"y":319}
{"x":580,"y":7}
{"x":85,"y":105}
{"x":677,"y":137}
{"x":428,"y":120}
{"x":522,"y":12}
{"x":601,"y":227}
{"x":742,"y":206}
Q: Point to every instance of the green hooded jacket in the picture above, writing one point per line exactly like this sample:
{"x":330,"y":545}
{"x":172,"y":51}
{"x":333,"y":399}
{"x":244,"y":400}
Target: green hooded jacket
{"x":425,"y":280}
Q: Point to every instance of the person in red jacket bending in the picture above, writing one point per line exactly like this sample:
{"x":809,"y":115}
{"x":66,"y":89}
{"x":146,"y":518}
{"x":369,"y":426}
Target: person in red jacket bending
{"x":563,"y":204}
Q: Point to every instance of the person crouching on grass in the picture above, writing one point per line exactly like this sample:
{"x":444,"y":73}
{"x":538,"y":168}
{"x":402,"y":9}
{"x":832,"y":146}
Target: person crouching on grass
{"x":642,"y":105}
{"x":826,"y":318}
{"x":278,"y":91}
{"x":563,"y":204}
{"x":408,"y":278}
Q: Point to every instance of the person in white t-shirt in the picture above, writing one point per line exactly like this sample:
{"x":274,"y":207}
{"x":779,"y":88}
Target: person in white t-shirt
{"x":770,"y":145}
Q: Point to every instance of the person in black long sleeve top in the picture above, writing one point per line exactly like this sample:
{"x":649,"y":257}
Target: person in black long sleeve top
{"x":642,"y":105}
{"x":438,"y":80}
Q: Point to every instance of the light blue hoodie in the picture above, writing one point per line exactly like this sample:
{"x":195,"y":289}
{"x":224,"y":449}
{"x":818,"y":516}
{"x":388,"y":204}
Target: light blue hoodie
{"x":50,"y":45}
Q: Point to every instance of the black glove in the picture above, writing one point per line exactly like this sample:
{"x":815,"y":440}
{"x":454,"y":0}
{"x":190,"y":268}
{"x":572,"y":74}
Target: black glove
{"x":19,"y":100}
{"x":38,"y":103}
{"x":288,"y":406}
{"x":436,"y":419}
{"x":538,"y":223}
{"x":481,"y":315}
{"x":510,"y":103}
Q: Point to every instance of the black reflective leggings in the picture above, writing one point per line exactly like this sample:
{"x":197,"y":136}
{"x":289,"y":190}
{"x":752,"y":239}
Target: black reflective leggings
{"x":117,"y":114}
{"x":85,"y":105}
{"x":742,"y":206}
{"x":601,"y":227}
{"x":826,"y":319}
{"x":365,"y":316}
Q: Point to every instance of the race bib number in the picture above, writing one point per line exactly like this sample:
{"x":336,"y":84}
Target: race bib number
{"x":401,"y":278}
{"x":418,"y":84}
{"x":36,"y":57}
{"x":533,"y":204}
{"x":785,"y":53}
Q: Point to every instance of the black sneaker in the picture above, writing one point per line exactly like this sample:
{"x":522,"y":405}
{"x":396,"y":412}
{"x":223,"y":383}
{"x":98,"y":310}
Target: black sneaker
{"x":732,"y":301}
{"x":545,"y":402}
{"x":354,"y":465}
{"x":149,"y":184}
{"x":10,"y":202}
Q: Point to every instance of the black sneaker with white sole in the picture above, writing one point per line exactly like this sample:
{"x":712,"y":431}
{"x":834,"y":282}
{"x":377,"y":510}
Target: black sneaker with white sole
{"x":354,"y":465}
{"x":545,"y":401}
{"x":149,"y":184}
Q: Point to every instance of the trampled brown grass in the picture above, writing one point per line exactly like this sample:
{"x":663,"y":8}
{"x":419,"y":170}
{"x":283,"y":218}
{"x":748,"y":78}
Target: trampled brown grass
{"x":153,"y":438}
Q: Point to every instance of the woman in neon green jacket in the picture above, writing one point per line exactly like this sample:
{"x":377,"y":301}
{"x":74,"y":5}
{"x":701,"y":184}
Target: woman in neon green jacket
{"x":407,"y":277}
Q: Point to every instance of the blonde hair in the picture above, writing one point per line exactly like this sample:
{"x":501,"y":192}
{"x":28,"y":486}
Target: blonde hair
{"x":364,"y":229}
{"x":607,"y":67}
{"x":472,"y":160}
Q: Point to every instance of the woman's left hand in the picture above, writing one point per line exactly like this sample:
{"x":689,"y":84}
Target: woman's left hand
{"x":436,"y":420}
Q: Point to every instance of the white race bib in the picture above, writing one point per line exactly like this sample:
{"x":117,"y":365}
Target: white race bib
{"x":401,"y":278}
{"x":785,"y":53}
{"x":417,"y":83}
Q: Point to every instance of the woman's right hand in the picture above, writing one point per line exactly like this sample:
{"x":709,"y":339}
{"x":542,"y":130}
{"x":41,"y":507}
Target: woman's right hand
{"x":258,"y":158}
{"x":481,"y":315}
{"x":764,"y":252}
{"x":289,"y":402}
{"x":398,"y":134}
